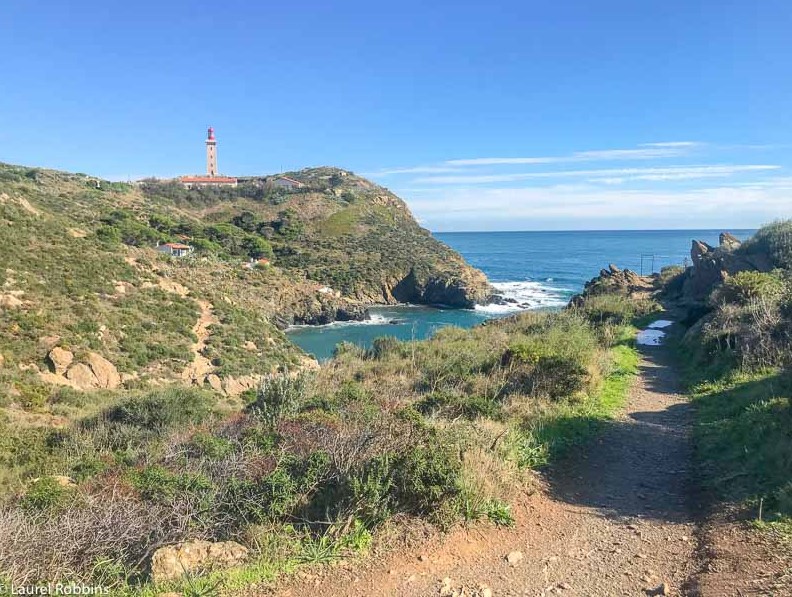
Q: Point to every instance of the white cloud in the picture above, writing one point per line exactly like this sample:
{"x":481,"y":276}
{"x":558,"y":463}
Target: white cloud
{"x":673,"y":144}
{"x":609,"y":174}
{"x":646,"y":151}
{"x":412,"y":170}
{"x":585,"y":203}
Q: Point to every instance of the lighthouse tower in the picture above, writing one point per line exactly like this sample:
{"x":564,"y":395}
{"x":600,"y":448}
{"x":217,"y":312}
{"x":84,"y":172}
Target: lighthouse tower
{"x":211,"y":153}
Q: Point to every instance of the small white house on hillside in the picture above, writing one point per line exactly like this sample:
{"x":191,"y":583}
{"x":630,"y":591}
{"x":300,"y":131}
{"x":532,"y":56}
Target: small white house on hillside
{"x":285,"y":182}
{"x":175,"y":249}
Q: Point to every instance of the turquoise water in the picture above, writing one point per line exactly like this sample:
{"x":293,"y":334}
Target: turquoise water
{"x":539,"y":270}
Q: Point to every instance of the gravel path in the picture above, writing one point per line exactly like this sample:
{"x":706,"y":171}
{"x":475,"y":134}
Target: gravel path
{"x":614,"y":517}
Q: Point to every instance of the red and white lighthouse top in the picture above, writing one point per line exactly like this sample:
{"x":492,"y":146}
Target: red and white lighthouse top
{"x":210,"y":136}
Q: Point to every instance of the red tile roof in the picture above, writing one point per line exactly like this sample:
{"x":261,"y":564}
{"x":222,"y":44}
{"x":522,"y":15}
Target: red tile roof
{"x":177,"y":246}
{"x":212,"y":179}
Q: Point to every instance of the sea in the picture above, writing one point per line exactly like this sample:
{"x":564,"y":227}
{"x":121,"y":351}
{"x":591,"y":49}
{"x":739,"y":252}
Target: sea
{"x":538,"y":270}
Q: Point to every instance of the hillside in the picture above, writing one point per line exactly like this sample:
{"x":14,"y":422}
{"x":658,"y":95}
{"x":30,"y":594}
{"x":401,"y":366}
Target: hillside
{"x":80,"y":274}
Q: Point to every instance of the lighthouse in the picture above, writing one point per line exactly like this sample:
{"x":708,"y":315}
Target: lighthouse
{"x":211,"y":178}
{"x":211,"y":153}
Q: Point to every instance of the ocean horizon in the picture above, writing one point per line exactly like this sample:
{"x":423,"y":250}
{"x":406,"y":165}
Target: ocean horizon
{"x":537,"y":269}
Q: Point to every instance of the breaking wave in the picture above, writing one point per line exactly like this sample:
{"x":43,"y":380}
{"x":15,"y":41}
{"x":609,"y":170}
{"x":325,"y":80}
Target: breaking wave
{"x":521,"y":296}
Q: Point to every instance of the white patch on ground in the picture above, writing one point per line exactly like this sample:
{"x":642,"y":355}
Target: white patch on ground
{"x":650,"y":337}
{"x":660,"y":324}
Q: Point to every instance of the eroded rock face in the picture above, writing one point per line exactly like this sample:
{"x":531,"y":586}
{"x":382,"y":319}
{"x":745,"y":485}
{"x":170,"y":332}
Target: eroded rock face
{"x":174,"y":561}
{"x":9,"y":301}
{"x":234,"y":386}
{"x":327,"y":309}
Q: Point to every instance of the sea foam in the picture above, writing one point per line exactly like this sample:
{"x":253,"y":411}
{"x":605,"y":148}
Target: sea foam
{"x":526,"y":295}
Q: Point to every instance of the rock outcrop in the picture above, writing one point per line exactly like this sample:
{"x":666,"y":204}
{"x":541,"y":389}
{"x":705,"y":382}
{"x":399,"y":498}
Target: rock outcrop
{"x":617,"y":281}
{"x":320,"y":309}
{"x":712,"y":265}
{"x":189,"y":557}
{"x":93,"y":373}
{"x":460,"y":290}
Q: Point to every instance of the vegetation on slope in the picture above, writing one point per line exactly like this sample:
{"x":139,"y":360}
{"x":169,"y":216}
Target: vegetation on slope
{"x":315,"y":464}
{"x":79,"y":273}
{"x":737,"y":355}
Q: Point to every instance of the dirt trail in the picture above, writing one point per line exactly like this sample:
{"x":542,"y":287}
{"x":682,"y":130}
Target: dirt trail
{"x":200,"y":367}
{"x":614,"y":518}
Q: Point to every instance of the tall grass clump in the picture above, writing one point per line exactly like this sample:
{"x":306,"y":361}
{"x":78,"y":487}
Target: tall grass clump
{"x":774,"y":241}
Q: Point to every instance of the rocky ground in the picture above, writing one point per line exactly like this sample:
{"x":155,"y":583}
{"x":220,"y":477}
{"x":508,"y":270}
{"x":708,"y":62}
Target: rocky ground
{"x":618,"y":517}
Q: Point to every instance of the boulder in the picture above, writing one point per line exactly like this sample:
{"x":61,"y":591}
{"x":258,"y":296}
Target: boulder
{"x":214,"y":382}
{"x":81,"y":376}
{"x":9,"y":301}
{"x":60,"y":358}
{"x":174,"y":561}
{"x":711,"y":266}
{"x":105,"y":372}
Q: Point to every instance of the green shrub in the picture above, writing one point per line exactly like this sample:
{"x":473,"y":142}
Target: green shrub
{"x":261,"y":438}
{"x":352,"y":391}
{"x":33,"y":395}
{"x":159,"y":484}
{"x":164,"y":408}
{"x":499,"y":513}
{"x":278,"y":494}
{"x":744,"y":287}
{"x":554,"y":365}
{"x":349,"y":350}
{"x":279,"y":397}
{"x":451,"y":404}
{"x":370,"y":491}
{"x":45,"y":494}
{"x":615,"y":308}
{"x":386,"y":346}
{"x":89,"y":465}
{"x":773,"y":240}
{"x":210,"y":446}
{"x":425,"y":477}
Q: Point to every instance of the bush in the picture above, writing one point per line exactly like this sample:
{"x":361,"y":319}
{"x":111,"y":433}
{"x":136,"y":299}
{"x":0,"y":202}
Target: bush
{"x":45,"y":494}
{"x":158,"y":484}
{"x":615,"y":308}
{"x":279,"y":396}
{"x":210,"y":446}
{"x":424,"y":477}
{"x":164,"y":408}
{"x":385,"y":346}
{"x":452,"y":404}
{"x":748,"y":286}
{"x":774,"y":240}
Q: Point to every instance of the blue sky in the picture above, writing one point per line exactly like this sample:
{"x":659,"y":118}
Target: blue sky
{"x":483,"y":116}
